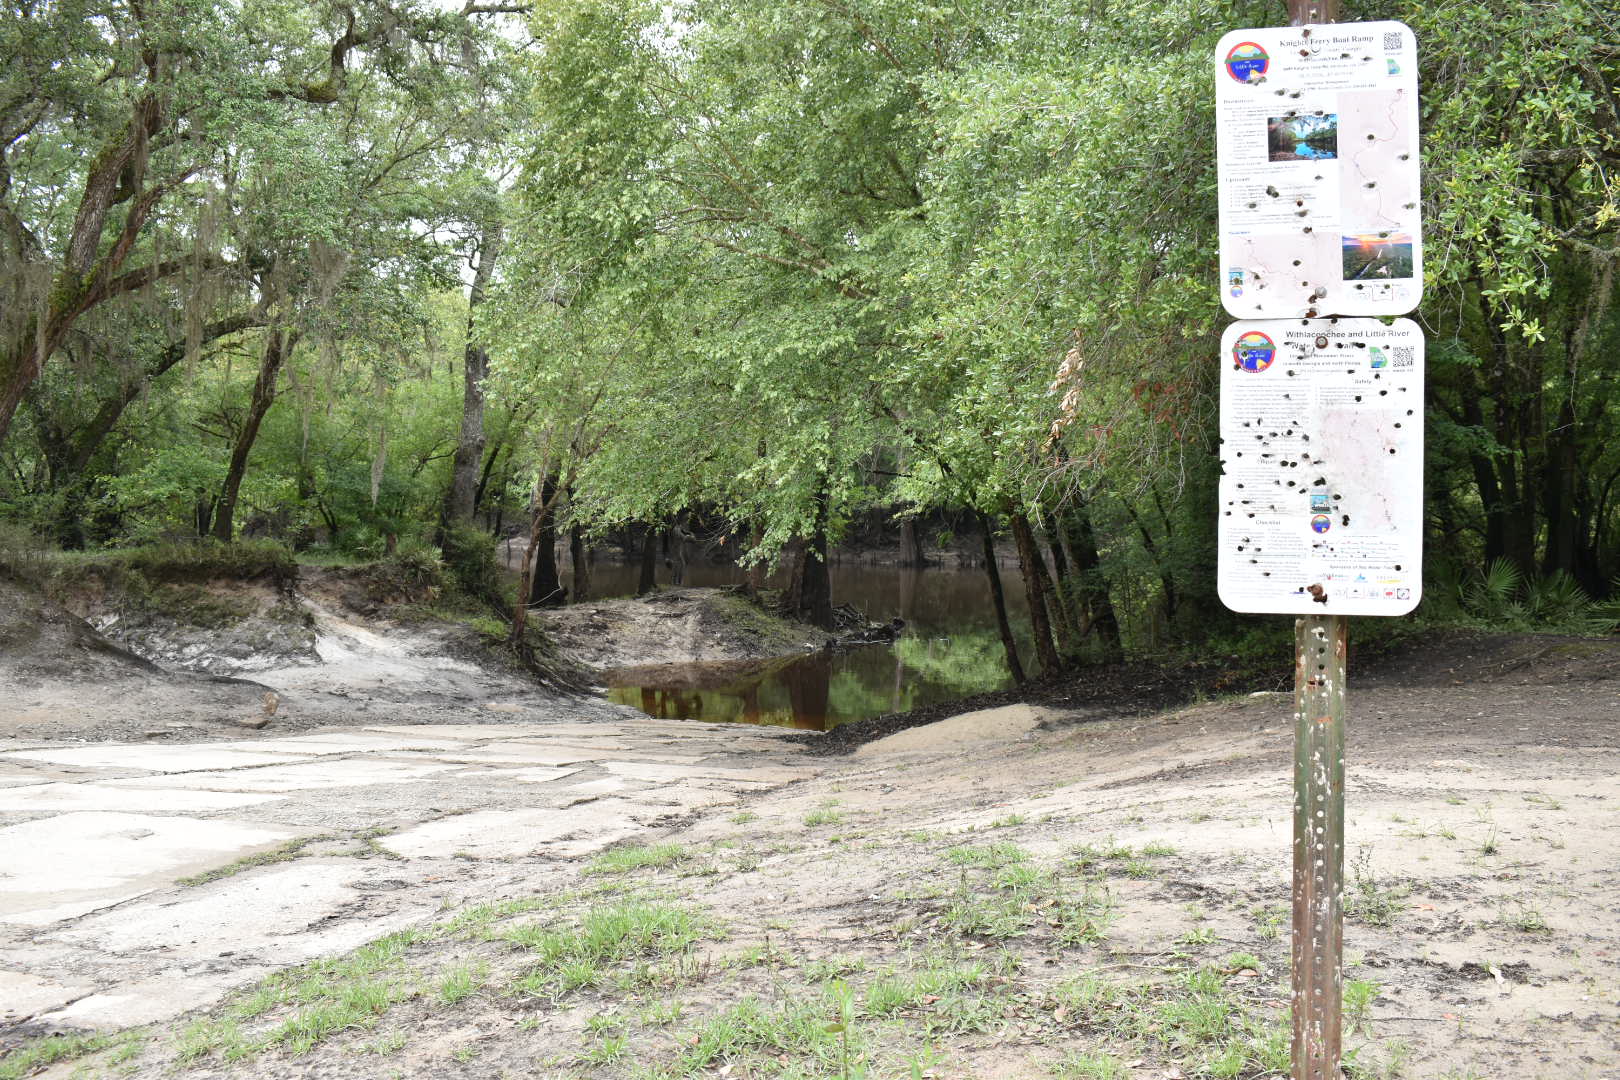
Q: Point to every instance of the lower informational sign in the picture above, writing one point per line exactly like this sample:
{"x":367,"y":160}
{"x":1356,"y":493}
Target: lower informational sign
{"x":1321,"y":491}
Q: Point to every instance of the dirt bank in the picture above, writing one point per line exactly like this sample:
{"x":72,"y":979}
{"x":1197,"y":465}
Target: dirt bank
{"x":320,"y":648}
{"x":1028,"y":896}
{"x":673,"y":626}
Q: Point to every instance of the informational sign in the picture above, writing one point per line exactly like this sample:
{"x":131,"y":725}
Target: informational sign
{"x":1317,"y":163}
{"x":1321,"y":490}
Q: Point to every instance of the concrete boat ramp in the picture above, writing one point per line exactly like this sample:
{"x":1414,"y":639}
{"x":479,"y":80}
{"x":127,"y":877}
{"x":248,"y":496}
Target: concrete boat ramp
{"x":140,"y":881}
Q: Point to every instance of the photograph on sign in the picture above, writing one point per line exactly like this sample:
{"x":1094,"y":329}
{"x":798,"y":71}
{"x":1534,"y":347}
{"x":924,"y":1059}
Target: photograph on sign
{"x":1321,"y":488}
{"x":1317,"y":164}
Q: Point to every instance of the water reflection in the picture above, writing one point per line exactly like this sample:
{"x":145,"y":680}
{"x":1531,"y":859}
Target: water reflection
{"x":950,"y":649}
{"x":820,"y":690}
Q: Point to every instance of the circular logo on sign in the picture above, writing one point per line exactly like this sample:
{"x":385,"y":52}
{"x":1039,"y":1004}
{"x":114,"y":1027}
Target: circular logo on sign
{"x":1254,"y":351}
{"x":1247,"y":62}
{"x":1321,"y":523}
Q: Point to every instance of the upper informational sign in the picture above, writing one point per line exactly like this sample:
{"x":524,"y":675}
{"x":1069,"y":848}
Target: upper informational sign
{"x":1317,"y":158}
{"x":1321,"y":492}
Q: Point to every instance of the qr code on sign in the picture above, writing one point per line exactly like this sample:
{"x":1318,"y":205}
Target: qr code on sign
{"x":1393,"y":41}
{"x":1405,"y":355}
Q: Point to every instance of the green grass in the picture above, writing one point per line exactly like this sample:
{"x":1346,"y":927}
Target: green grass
{"x":324,"y":998}
{"x":624,"y":860}
{"x":285,"y":853}
{"x":1092,"y":1065}
{"x":461,"y":982}
{"x":574,"y":957}
{"x":37,"y":1054}
{"x":994,"y":856}
{"x":807,"y":1028}
{"x":1369,"y":902}
{"x":823,"y":815}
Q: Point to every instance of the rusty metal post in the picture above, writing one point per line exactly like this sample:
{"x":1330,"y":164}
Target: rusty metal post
{"x":1318,"y":943}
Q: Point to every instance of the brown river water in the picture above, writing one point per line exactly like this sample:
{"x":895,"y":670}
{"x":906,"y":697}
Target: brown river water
{"x":948,"y":649}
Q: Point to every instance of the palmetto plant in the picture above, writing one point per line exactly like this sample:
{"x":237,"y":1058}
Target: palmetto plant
{"x":1503,"y":598}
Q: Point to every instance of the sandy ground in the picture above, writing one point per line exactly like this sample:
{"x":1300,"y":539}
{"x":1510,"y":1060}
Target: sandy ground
{"x":562,"y":888}
{"x":1004,"y":868}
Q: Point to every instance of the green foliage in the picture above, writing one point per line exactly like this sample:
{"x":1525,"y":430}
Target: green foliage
{"x":787,"y":263}
{"x":1502,"y":598}
{"x":468,"y":555}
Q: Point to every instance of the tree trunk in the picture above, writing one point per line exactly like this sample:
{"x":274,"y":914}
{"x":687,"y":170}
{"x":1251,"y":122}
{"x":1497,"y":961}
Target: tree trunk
{"x":648,"y":580}
{"x":462,"y":498}
{"x":1034,"y":570}
{"x":1061,"y":611}
{"x":483,"y":477}
{"x":276,"y":347}
{"x":90,"y":271}
{"x":546,"y":589}
{"x":1093,"y":586}
{"x":814,"y":589}
{"x":582,"y":569}
{"x":911,"y":549}
{"x":999,"y":602}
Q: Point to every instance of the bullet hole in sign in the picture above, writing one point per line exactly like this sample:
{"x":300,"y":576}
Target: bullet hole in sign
{"x":1345,"y":520}
{"x":1321,"y":341}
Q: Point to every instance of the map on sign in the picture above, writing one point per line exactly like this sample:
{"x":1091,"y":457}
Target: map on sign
{"x":1321,"y":491}
{"x":1317,"y":163}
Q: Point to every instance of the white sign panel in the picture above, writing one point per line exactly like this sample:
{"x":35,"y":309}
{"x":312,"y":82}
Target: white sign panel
{"x":1321,"y":492}
{"x":1317,"y":161}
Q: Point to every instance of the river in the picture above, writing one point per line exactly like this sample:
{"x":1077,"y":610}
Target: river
{"x":949,"y":649}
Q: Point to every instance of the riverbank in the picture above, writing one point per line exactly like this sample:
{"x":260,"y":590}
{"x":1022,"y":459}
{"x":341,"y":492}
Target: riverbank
{"x":1029,"y":892}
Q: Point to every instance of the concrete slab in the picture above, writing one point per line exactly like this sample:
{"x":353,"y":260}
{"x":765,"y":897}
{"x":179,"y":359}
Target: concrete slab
{"x":486,"y":834}
{"x":350,"y":742}
{"x":131,"y":800}
{"x":261,"y":913}
{"x":639,"y":770}
{"x":480,"y":732}
{"x":23,"y":995}
{"x":595,"y":789}
{"x":504,"y":834}
{"x":146,"y":757}
{"x":60,"y":867}
{"x":479,"y":756}
{"x":535,"y":776}
{"x":150,"y":1001}
{"x":684,"y":798}
{"x":307,"y":776}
